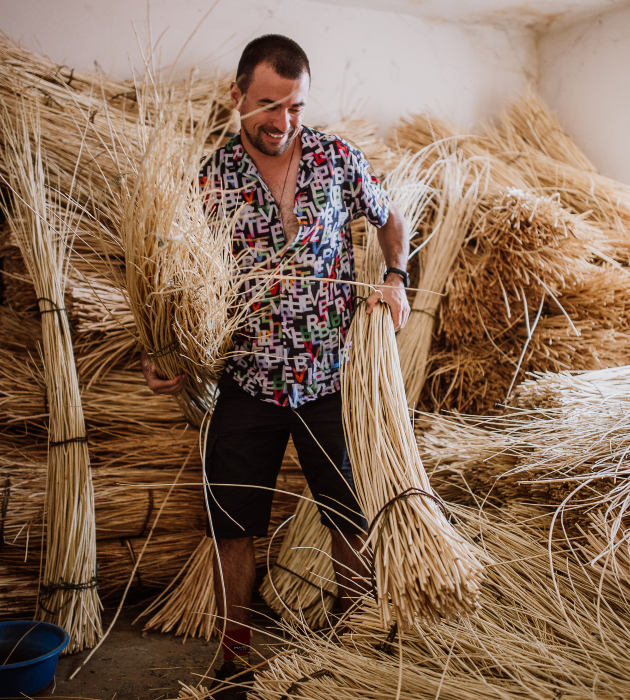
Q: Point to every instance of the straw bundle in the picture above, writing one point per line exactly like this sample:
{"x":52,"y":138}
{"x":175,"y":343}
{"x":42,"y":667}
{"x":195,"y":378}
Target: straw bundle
{"x":301,"y":583}
{"x":43,"y":229}
{"x":542,"y":631}
{"x":562,"y":442}
{"x":456,"y":191}
{"x":537,"y":284}
{"x":525,"y":294}
{"x":190,"y":608}
{"x":529,"y":137}
{"x":419,"y":560}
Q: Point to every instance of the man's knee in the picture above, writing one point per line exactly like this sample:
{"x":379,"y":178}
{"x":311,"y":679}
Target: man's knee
{"x":235,"y":546}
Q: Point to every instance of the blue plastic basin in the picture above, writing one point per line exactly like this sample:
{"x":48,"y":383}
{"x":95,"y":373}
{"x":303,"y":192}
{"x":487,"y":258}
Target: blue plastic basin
{"x":32,"y":665}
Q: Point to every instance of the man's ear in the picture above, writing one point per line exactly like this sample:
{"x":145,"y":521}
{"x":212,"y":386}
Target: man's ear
{"x":236,"y":95}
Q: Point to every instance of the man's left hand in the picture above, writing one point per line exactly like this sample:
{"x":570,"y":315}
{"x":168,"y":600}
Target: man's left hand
{"x":393,"y":294}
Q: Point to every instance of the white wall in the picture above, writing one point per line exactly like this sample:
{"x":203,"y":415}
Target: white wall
{"x":377,"y":64}
{"x":585,"y":77}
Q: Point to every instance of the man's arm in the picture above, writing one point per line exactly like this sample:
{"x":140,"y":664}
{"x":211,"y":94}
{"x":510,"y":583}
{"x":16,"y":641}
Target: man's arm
{"x":394,"y":241}
{"x":157,"y":384}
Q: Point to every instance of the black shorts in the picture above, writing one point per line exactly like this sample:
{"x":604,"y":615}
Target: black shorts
{"x":246,"y":442}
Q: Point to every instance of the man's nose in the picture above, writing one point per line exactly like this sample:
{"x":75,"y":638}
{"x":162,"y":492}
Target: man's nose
{"x":282,"y":120}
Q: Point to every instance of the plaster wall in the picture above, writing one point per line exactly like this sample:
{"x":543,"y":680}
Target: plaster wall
{"x":585,"y":77}
{"x":367,"y":62}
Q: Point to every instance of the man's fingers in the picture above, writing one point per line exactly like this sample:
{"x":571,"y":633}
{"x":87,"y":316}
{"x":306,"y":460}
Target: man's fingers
{"x":372,"y":301}
{"x":167,"y":386}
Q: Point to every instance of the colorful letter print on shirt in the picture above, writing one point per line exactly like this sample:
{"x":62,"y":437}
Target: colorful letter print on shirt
{"x":288,"y":353}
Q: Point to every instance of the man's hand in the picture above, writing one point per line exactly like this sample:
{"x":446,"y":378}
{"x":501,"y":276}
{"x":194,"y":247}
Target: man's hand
{"x":393,"y":294}
{"x":172,"y":387}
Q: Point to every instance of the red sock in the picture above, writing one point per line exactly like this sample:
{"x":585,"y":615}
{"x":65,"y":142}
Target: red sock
{"x":236,"y":643}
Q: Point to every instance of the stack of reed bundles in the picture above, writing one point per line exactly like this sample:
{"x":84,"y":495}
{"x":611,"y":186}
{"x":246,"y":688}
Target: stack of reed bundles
{"x":539,"y":283}
{"x":134,"y":437}
{"x":547,"y":627}
{"x":562,"y":443}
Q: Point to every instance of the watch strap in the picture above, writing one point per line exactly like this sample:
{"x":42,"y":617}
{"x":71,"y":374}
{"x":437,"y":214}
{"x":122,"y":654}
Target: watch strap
{"x":402,"y":273}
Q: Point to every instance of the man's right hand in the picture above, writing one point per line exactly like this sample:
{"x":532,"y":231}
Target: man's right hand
{"x":158,"y":385}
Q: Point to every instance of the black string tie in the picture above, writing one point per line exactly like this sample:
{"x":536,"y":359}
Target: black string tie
{"x":293,"y":687}
{"x":413,"y":491}
{"x":59,"y":310}
{"x":424,"y":311}
{"x":163,"y":351}
{"x":57,"y":443}
{"x":48,"y":590}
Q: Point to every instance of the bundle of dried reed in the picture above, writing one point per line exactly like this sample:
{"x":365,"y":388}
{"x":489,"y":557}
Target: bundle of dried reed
{"x":529,"y":137}
{"x":188,"y":608}
{"x":419,"y":561}
{"x":455,"y":194}
{"x":562,"y":442}
{"x":546,"y":628}
{"x":181,"y":279}
{"x":43,"y":229}
{"x":301,"y":583}
{"x":525,"y":294}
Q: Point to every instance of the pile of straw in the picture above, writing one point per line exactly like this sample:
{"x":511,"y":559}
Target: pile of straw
{"x":547,"y":627}
{"x":539,"y":283}
{"x":455,"y":185}
{"x":562,"y":442}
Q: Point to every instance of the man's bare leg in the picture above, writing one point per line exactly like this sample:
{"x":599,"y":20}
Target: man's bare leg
{"x":348,"y":566}
{"x":239,"y":570}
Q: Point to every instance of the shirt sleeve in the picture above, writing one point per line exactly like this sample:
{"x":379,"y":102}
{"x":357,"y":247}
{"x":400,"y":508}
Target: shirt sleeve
{"x":363,"y":193}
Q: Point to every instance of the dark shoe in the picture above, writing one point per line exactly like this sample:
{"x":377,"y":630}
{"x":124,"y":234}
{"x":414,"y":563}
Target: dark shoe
{"x":238,"y":681}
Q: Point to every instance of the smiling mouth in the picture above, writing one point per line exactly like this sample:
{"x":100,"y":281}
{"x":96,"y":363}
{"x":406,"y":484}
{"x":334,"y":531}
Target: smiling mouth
{"x":275,"y":135}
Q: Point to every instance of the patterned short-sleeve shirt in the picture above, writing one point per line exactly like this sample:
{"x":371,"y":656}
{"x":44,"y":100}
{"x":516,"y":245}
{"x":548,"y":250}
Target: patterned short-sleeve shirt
{"x":288,"y":352}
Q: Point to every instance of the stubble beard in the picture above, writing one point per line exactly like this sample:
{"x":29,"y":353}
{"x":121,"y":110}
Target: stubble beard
{"x":258,"y":142}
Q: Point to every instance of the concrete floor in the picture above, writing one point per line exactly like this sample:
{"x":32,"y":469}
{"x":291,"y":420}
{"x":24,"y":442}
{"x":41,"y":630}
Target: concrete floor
{"x":136,"y":665}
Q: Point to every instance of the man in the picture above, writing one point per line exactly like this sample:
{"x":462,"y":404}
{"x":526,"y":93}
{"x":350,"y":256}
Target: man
{"x":300,"y":189}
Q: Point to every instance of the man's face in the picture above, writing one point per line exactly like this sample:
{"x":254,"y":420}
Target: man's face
{"x":275,"y":106}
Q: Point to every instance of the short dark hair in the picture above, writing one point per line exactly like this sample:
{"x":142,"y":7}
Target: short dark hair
{"x":285,"y":56}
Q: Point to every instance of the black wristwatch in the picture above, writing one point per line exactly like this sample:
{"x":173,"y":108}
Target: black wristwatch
{"x":402,"y":273}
